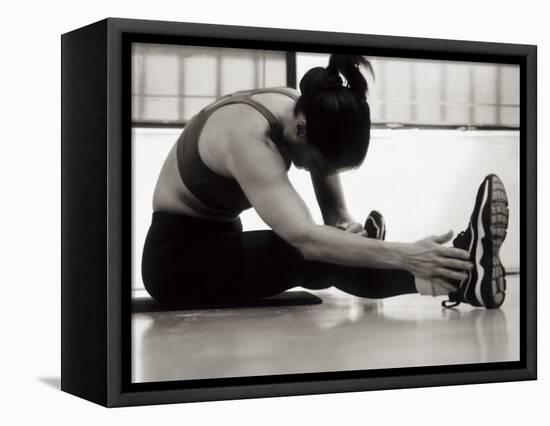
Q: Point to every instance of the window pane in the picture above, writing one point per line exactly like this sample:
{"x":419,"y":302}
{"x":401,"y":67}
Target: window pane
{"x":136,"y":108}
{"x":456,"y":115}
{"x":161,"y":75}
{"x":427,"y":112}
{"x":509,"y":85}
{"x":275,"y":70}
{"x":457,"y":83}
{"x":509,"y":116}
{"x":485,"y":84}
{"x":157,"y":109}
{"x":192,"y":105}
{"x":485,"y":115}
{"x":200,"y":75}
{"x":238,"y":73}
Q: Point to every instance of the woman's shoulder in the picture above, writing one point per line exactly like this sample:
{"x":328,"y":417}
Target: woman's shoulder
{"x":253,"y":140}
{"x":294,"y":91}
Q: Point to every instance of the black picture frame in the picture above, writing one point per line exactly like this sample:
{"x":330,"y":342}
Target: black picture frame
{"x":95,"y":183}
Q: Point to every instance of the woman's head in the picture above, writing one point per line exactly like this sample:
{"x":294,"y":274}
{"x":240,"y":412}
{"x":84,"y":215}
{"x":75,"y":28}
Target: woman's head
{"x":332,"y":117}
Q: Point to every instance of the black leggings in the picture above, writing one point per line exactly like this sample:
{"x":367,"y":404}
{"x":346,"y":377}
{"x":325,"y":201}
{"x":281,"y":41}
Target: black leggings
{"x":192,"y":259}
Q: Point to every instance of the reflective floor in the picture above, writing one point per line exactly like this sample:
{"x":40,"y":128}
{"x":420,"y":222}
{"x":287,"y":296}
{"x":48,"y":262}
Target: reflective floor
{"x":343,"y":333}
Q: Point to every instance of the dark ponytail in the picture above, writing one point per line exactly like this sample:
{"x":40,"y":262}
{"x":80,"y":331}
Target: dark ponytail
{"x":337,"y":113}
{"x":348,"y":65}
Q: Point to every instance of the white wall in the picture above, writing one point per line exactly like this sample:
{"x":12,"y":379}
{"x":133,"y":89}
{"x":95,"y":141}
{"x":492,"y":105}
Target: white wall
{"x":423,"y":181}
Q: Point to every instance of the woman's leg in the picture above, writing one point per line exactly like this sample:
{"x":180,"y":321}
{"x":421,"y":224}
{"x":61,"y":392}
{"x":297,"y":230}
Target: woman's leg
{"x":191,"y":259}
{"x":216,"y":265}
{"x":362,"y":282}
{"x":258,"y":264}
{"x":242,"y":265}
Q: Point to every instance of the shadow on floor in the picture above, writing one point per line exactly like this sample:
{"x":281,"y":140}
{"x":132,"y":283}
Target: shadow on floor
{"x":54,"y":382}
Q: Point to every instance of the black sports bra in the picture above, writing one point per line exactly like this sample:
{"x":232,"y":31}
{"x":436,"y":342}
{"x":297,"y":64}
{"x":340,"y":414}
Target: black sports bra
{"x":223,"y":196}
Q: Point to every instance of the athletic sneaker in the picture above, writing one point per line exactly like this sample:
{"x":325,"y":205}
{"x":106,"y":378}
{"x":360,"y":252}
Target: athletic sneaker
{"x":486,"y":282}
{"x":375,"y":226}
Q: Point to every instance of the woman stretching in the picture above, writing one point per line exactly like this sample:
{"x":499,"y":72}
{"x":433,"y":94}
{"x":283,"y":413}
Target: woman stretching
{"x":235,"y":154}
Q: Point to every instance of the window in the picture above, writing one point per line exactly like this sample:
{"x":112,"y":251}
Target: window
{"x":437,"y":93}
{"x":172,"y":83}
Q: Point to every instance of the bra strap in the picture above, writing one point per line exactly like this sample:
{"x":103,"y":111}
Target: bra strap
{"x":280,"y":90}
{"x":275,"y":126}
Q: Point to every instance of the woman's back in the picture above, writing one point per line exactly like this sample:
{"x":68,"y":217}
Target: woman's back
{"x":194,"y":179}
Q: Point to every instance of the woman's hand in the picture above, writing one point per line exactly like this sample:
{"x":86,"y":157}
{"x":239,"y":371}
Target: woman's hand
{"x":430,"y":259}
{"x":349,"y":225}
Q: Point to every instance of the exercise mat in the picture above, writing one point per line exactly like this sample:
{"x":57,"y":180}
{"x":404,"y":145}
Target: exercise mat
{"x":287,"y":298}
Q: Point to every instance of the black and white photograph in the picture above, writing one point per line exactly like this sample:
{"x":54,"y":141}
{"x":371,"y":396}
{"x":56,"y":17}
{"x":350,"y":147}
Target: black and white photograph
{"x":278,"y":213}
{"x":305,"y":212}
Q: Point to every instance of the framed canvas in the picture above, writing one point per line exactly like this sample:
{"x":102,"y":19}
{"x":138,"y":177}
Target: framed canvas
{"x":445,"y":120}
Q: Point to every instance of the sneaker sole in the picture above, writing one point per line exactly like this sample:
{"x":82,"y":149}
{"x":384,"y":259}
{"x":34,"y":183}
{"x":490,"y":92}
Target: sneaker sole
{"x":489,"y":223}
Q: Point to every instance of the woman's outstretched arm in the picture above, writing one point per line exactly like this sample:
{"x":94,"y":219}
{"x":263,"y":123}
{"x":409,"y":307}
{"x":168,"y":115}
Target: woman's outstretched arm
{"x":261,"y":173}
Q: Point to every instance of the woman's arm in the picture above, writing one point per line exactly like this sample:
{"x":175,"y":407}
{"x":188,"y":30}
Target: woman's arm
{"x":330,"y":197}
{"x":261,"y":173}
{"x":328,"y":191}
